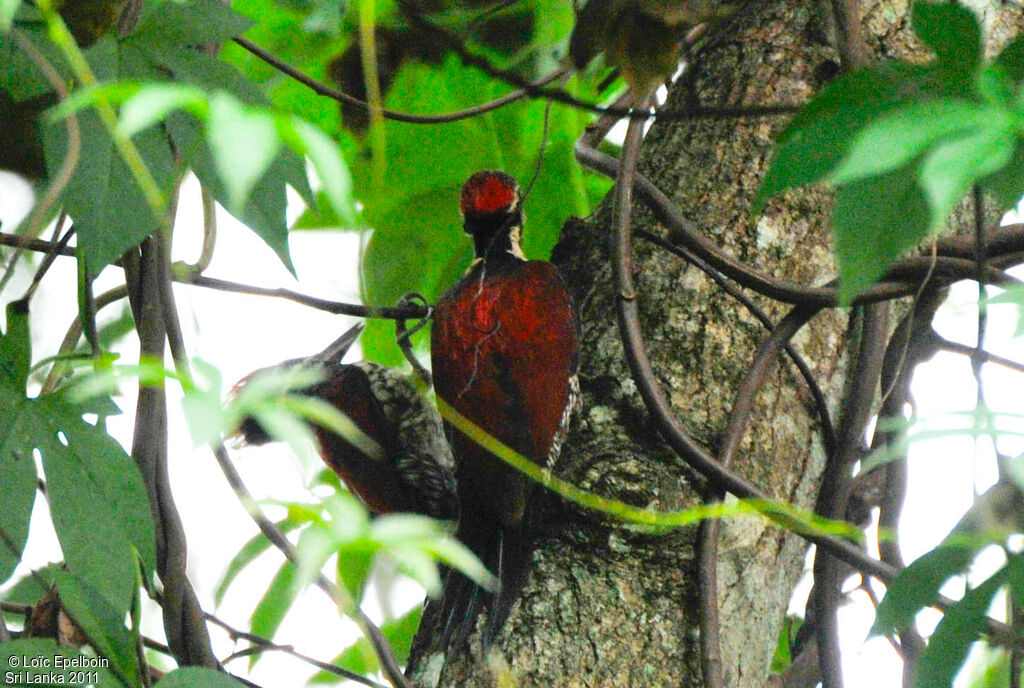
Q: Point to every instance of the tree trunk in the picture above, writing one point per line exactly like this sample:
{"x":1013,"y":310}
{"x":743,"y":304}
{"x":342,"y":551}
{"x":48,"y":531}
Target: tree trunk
{"x":605,"y":605}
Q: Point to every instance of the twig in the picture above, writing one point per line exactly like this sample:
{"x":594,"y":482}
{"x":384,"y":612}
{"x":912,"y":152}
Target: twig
{"x":853,"y":53}
{"x":261,"y":644}
{"x":337,"y":307}
{"x":454,"y":43}
{"x":346,"y":605}
{"x":323,"y":89}
{"x":403,"y":336}
{"x":967,"y":350}
{"x":47,"y":262}
{"x":16,"y":608}
{"x":72,"y":336}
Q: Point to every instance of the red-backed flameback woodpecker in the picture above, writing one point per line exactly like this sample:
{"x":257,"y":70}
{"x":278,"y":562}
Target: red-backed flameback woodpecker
{"x":504,"y":349}
{"x":411,"y":469}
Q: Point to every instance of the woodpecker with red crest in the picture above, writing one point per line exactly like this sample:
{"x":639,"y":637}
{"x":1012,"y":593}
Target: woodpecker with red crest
{"x":407,"y":466}
{"x":504,"y":349}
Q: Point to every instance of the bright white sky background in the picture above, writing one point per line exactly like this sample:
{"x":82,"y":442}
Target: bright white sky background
{"x":240,"y":333}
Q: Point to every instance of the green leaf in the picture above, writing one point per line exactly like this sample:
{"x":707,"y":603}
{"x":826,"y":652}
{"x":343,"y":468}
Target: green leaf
{"x":256,"y":546}
{"x":875,"y":220}
{"x":819,"y":136}
{"x":354,"y":565}
{"x":18,"y":487}
{"x":275,"y":603}
{"x":102,"y":624}
{"x":360,"y":657}
{"x":26,"y":590}
{"x":16,"y":346}
{"x":306,"y":139}
{"x":952,"y":32}
{"x":1011,"y":60}
{"x":46,"y":651}
{"x":153,"y":102}
{"x":893,"y":141}
{"x":190,"y":22}
{"x":952,"y":168}
{"x":97,"y":499}
{"x":111,"y":214}
{"x":8,"y":8}
{"x":918,"y":586}
{"x":784,"y":647}
{"x":244,"y":143}
{"x":19,"y":75}
{"x":197,"y":677}
{"x":960,"y":626}
{"x":264,"y":211}
{"x":1007,"y":185}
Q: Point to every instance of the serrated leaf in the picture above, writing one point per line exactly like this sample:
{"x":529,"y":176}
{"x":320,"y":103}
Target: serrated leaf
{"x":18,"y":487}
{"x":110,"y":211}
{"x":97,"y":500}
{"x":960,"y":626}
{"x":918,"y":587}
{"x":256,"y":546}
{"x":893,"y":141}
{"x":950,"y":30}
{"x":102,"y":624}
{"x":275,"y":603}
{"x":952,"y":168}
{"x":874,"y":221}
{"x":197,"y":677}
{"x":244,"y":143}
{"x":44,"y":648}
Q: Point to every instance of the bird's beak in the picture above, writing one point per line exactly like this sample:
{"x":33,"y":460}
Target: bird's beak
{"x":337,"y":349}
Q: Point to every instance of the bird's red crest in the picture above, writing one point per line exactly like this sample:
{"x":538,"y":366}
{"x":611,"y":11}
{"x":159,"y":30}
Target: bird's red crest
{"x":488,"y":192}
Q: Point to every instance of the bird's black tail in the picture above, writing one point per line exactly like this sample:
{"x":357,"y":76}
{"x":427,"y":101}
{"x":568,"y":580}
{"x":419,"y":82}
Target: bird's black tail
{"x":506,"y":552}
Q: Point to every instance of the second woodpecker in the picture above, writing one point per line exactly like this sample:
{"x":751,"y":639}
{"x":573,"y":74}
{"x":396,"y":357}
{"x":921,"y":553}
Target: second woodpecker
{"x":504,"y":350}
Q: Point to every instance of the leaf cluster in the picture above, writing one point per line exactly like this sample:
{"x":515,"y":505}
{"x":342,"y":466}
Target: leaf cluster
{"x":904,"y":142}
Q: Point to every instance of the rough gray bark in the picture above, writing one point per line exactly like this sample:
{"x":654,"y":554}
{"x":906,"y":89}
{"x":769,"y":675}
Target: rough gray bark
{"x":606,"y":606}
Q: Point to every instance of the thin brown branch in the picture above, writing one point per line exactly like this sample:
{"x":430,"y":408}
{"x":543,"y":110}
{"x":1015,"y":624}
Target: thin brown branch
{"x":338,"y":595}
{"x":261,"y":644}
{"x":853,"y":52}
{"x":386,"y":312}
{"x":323,"y":89}
{"x":984,"y":356}
{"x":455,"y":43}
